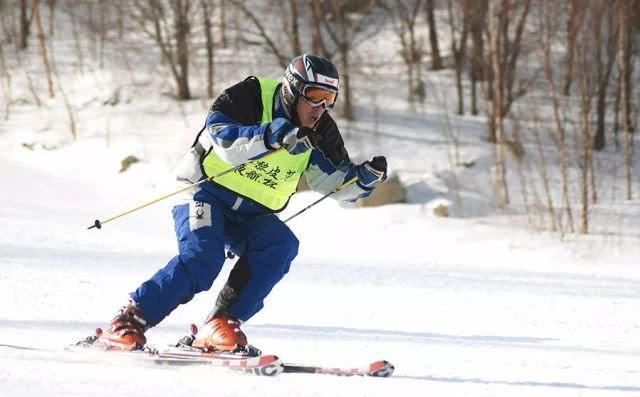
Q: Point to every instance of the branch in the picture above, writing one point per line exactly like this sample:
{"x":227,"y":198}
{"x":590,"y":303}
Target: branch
{"x":274,"y":48}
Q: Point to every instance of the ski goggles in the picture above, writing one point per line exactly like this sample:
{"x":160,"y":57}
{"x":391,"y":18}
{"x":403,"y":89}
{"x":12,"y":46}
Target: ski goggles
{"x":317,"y":96}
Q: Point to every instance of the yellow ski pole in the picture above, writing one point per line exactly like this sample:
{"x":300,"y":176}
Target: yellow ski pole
{"x":98,"y":224}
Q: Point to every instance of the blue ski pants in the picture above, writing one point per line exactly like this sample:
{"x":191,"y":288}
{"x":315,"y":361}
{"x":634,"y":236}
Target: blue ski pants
{"x":203,"y":227}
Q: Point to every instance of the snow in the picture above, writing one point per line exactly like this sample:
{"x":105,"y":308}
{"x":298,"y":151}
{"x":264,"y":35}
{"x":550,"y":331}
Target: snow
{"x":460,"y":306}
{"x":472,"y":305}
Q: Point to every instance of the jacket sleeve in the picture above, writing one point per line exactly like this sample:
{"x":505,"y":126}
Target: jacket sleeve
{"x":233,"y":128}
{"x":330,"y":166}
{"x":234,"y":143}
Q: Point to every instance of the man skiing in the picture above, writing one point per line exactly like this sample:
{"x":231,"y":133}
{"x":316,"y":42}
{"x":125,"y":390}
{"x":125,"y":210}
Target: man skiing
{"x":269,"y":133}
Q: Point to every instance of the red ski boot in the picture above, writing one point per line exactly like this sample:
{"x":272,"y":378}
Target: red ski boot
{"x":221,"y":333}
{"x":126,"y":331}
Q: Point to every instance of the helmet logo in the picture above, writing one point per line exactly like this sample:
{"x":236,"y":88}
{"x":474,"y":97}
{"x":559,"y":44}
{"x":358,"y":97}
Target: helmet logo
{"x":327,"y":80}
{"x":308,"y":68}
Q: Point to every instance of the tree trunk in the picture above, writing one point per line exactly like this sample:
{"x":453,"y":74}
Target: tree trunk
{"x":477,"y":22}
{"x":624,"y":44}
{"x":121,"y":15}
{"x":52,"y":9}
{"x":25,"y":23}
{"x":599,"y":139}
{"x":317,"y":43}
{"x":8,"y":97}
{"x":76,"y":39}
{"x":459,"y":89}
{"x":181,"y":25}
{"x":411,"y":49}
{"x":588,"y":80}
{"x":70,"y":112}
{"x":43,"y":46}
{"x":586,"y":159}
{"x":209,"y":45}
{"x":9,"y":31}
{"x":347,"y":110}
{"x":458,"y":49}
{"x":102,"y":34}
{"x":573,"y":25}
{"x":436,"y":59}
{"x":502,"y":195}
{"x":223,"y":24}
{"x":92,"y":30}
{"x":560,"y":131}
{"x":295,"y":31}
{"x":616,"y":114}
{"x":605,"y":58}
{"x":545,"y":179}
{"x":343,"y":30}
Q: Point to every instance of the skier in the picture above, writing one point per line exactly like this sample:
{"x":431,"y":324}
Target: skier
{"x":274,"y":132}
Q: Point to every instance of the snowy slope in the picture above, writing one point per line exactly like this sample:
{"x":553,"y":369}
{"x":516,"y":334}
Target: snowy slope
{"x":473,"y":305}
{"x":460,"y":307}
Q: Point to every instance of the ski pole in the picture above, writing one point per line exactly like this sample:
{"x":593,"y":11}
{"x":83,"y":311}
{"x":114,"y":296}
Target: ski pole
{"x":98,"y":224}
{"x":231,"y":255}
{"x":336,"y":190}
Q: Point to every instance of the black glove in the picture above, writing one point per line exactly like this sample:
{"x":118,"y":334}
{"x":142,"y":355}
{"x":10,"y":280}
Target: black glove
{"x":370,"y":173}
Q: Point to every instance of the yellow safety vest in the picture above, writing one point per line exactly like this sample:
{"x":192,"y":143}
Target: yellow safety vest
{"x":270,"y":182}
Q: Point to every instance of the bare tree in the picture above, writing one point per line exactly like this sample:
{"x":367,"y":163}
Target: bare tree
{"x":43,"y":46}
{"x":7,"y":21}
{"x":574,"y":21}
{"x":344,"y":23}
{"x":120,"y":12}
{"x":168,"y":23}
{"x":509,"y":48}
{"x":604,"y":24}
{"x":624,"y":47}
{"x":204,"y":4}
{"x":268,"y":39}
{"x":25,"y":23}
{"x":294,"y":32}
{"x":182,"y":29}
{"x":561,"y":135}
{"x":67,"y":103}
{"x":499,"y":176}
{"x":436,"y":59}
{"x":6,"y":87}
{"x":75,"y":28}
{"x":587,"y":92}
{"x":223,"y":24}
{"x":459,"y":44}
{"x":585,"y":168}
{"x":411,"y":47}
{"x":317,"y":42}
{"x":102,"y":32}
{"x":544,"y":174}
{"x":477,"y":23}
{"x":52,"y":8}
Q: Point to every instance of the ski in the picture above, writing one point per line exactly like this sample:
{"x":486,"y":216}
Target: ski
{"x":260,"y":365}
{"x":184,"y":348}
{"x":381,"y":369}
{"x":263,"y":365}
{"x":250,"y":362}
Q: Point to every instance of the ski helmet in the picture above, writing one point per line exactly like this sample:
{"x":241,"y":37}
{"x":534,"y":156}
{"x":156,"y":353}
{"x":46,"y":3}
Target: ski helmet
{"x":307,"y":71}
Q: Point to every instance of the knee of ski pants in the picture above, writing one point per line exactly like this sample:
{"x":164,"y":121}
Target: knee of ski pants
{"x":273,"y":252}
{"x":268,"y":263}
{"x":201,"y":251}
